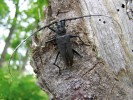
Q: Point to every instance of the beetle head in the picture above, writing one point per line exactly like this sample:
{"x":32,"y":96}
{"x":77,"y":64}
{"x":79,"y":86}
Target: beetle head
{"x":60,"y":27}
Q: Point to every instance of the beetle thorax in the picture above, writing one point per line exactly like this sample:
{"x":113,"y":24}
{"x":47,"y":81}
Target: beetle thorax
{"x":60,"y":28}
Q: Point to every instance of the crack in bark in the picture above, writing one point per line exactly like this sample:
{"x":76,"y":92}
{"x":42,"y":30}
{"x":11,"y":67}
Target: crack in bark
{"x":88,"y":71}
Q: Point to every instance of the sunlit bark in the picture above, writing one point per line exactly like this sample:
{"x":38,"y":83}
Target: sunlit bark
{"x":105,"y":71}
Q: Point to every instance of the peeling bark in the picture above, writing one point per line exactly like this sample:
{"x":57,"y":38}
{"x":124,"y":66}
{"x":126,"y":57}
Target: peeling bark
{"x":93,"y":77}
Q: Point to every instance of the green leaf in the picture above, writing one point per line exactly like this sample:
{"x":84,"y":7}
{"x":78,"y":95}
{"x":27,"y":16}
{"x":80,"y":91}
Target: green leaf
{"x":4,"y":10}
{"x":22,"y":88}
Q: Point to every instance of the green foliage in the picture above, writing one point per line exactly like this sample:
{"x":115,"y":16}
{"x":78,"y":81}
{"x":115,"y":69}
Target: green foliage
{"x":19,"y":88}
{"x":36,"y":9}
{"x":26,"y":22}
{"x":4,"y":10}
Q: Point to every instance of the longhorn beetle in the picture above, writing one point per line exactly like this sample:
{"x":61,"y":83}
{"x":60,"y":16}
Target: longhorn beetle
{"x":63,"y":43}
{"x":59,"y":34}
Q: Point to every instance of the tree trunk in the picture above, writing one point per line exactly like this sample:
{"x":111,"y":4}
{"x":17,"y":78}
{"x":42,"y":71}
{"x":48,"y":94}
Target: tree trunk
{"x":105,"y":71}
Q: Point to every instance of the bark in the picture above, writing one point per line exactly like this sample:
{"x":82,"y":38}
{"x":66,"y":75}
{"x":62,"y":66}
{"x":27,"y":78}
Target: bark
{"x":11,"y":31}
{"x":105,"y":71}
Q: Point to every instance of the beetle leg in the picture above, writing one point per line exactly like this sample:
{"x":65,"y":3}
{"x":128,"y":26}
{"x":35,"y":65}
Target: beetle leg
{"x":56,"y":61}
{"x":73,"y":36}
{"x":74,"y":51}
{"x":56,"y":57}
{"x":52,"y":29}
{"x":82,"y":41}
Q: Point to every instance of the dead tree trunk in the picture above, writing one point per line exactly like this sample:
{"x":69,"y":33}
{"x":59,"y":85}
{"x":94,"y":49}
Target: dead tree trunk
{"x":105,"y":71}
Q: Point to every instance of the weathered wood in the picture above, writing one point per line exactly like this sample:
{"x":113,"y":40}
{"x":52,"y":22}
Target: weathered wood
{"x":114,"y":41}
{"x":90,"y":76}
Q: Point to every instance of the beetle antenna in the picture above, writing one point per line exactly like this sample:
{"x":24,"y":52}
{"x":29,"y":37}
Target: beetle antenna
{"x":25,"y":41}
{"x":62,"y":20}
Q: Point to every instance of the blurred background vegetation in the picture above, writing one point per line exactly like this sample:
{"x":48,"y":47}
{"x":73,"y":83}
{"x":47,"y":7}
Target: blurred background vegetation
{"x":18,"y":19}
